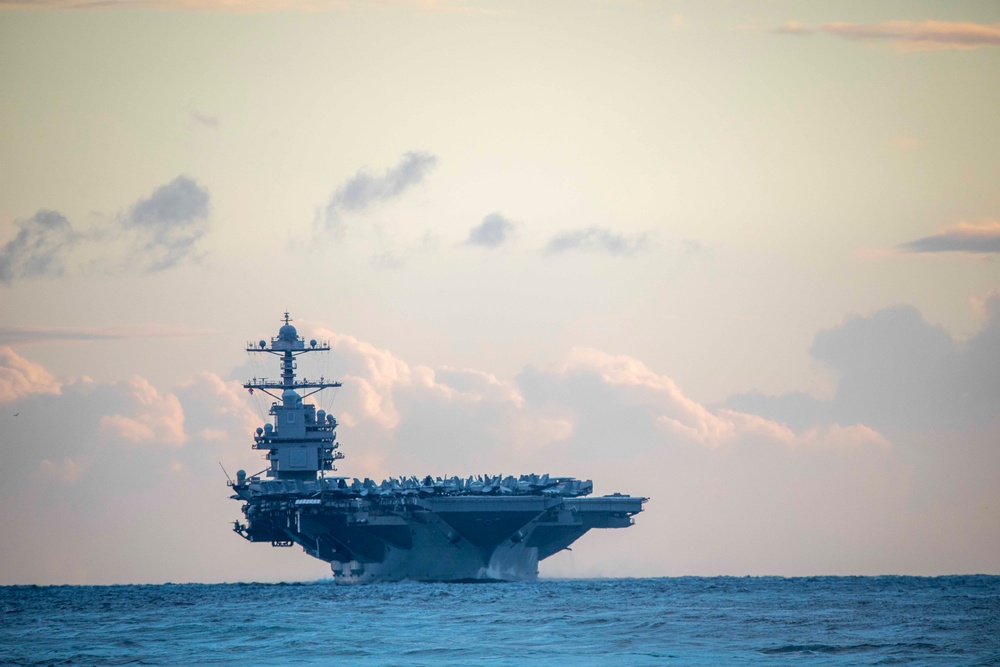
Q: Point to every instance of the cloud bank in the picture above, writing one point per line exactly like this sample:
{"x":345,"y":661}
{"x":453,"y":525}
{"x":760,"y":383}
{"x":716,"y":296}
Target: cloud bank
{"x":890,"y":474}
{"x":103,"y":479}
{"x":895,"y":371}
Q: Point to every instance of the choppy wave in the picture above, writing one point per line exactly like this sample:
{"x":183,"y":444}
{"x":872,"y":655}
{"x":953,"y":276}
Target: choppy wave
{"x":675,"y":621}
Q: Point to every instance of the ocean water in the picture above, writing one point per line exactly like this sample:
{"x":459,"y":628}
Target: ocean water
{"x":672,"y":621}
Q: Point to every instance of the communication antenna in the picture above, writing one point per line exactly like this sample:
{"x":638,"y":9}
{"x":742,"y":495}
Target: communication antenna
{"x":226,"y":473}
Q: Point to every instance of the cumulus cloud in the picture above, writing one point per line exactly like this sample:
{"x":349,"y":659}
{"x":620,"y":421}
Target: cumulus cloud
{"x":418,"y":415}
{"x":64,"y":427}
{"x":935,"y":399}
{"x":983,"y":238}
{"x":598,"y":240}
{"x":826,"y":494}
{"x":377,"y":375}
{"x":67,"y":471}
{"x":492,"y":232}
{"x":908,"y":35}
{"x":20,"y":377}
{"x":169,"y":222}
{"x":85,"y":469}
{"x":154,"y":234}
{"x":896,"y":371}
{"x":39,"y":248}
{"x":590,"y":397}
{"x":216,"y":409}
{"x":364,"y":189}
{"x":152,"y":418}
{"x":589,"y":379}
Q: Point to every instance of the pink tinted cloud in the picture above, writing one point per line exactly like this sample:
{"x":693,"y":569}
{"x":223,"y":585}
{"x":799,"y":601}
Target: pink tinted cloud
{"x":921,"y":35}
{"x":20,"y":377}
{"x":67,"y":471}
{"x":678,"y":416}
{"x":908,"y":35}
{"x":155,"y":418}
{"x":794,"y":28}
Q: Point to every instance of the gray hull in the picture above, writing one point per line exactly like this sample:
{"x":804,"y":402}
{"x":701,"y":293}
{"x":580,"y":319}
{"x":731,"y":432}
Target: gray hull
{"x":437,"y":538}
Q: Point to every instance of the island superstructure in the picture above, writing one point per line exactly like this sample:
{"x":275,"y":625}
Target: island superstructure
{"x":417,"y":528}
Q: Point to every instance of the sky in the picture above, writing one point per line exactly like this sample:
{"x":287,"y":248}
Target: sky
{"x":740,"y":258}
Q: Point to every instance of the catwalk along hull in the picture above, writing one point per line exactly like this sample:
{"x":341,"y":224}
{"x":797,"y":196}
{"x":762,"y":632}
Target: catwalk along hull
{"x":484,"y":527}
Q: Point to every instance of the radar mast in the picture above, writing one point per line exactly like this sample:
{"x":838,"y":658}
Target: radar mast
{"x":300,"y":440}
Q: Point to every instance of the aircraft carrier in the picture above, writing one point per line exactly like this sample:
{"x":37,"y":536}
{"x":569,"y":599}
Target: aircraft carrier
{"x":486,"y":527}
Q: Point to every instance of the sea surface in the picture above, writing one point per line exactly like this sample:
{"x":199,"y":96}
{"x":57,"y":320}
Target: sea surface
{"x":673,"y":621}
